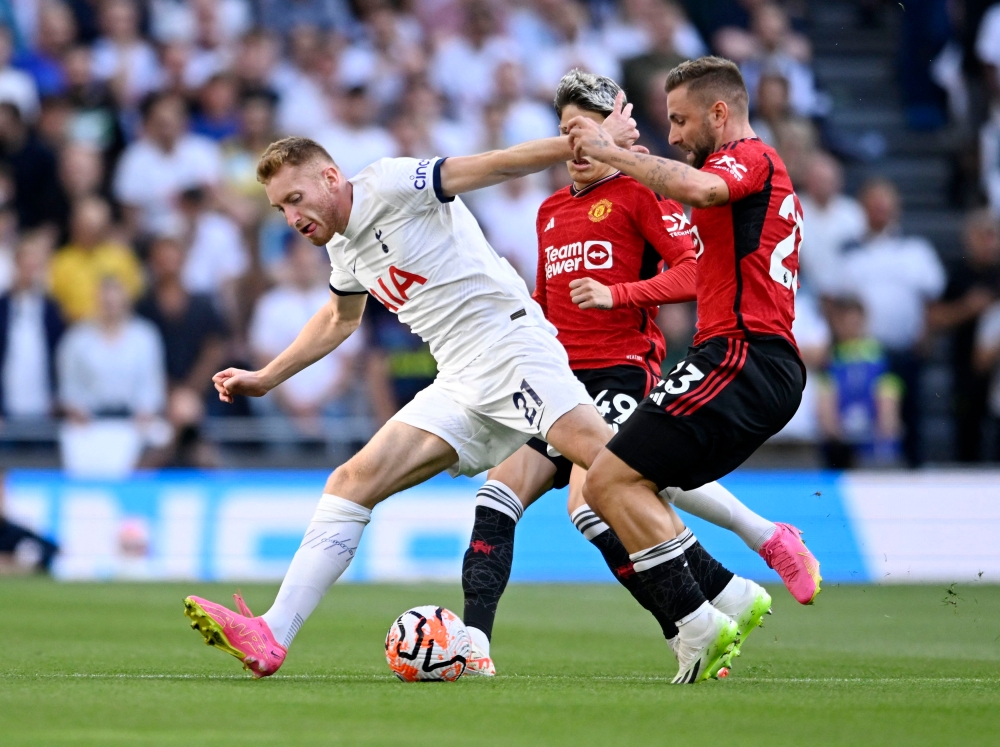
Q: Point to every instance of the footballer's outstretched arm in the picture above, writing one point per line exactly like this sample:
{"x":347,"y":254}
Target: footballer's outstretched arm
{"x":663,"y":175}
{"x":323,"y":333}
{"x":466,"y":173}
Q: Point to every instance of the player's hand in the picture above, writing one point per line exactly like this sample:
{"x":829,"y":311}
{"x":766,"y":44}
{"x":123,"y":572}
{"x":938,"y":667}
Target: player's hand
{"x":587,"y":138}
{"x":237,"y":381}
{"x":620,"y":125}
{"x":587,"y":293}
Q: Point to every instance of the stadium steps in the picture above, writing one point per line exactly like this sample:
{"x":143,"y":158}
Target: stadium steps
{"x":855,"y":65}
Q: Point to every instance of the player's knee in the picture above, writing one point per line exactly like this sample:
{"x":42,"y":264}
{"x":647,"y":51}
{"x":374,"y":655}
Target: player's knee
{"x":597,"y":488}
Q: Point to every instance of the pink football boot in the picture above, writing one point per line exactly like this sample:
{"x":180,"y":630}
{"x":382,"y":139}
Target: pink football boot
{"x":244,"y":636}
{"x":787,"y":554}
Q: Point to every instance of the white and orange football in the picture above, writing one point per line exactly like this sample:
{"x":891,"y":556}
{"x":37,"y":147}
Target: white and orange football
{"x":427,"y":644}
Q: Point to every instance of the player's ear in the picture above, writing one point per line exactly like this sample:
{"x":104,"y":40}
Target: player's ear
{"x":719,"y":112}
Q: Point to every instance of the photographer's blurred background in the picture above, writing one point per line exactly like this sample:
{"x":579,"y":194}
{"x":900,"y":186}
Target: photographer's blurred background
{"x":138,"y":255}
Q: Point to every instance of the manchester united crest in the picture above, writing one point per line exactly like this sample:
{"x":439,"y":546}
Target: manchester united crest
{"x":599,"y":210}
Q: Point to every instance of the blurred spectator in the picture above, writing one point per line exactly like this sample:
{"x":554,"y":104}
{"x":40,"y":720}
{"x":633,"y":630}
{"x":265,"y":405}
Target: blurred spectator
{"x":241,"y":193}
{"x":832,"y":220}
{"x":217,"y":116}
{"x":16,"y":86}
{"x":206,"y":28}
{"x":775,"y":48}
{"x":973,"y":284}
{"x":22,"y":551}
{"x":216,"y":254}
{"x":93,"y":254}
{"x":121,"y":56}
{"x":398,"y":364}
{"x":43,"y":60}
{"x":896,"y":277}
{"x":771,"y":108}
{"x":30,"y":328}
{"x":95,"y":119}
{"x":355,"y":141}
{"x":286,"y":15}
{"x":279,"y":317}
{"x":859,"y":399}
{"x":521,"y":118}
{"x":421,"y":130}
{"x":661,"y":23}
{"x":112,"y":388}
{"x":301,"y":82}
{"x":654,"y":125}
{"x":8,"y":229}
{"x":194,"y":338}
{"x":384,"y":59}
{"x":989,"y":157}
{"x":464,"y":66}
{"x":812,"y":335}
{"x":578,"y":46}
{"x":155,"y":169}
{"x":112,"y":366}
{"x":986,"y":362}
{"x":81,"y":172}
{"x":37,"y":197}
{"x":507,"y":215}
{"x":642,"y":27}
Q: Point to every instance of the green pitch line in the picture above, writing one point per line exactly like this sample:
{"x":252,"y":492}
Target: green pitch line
{"x":114,"y":664}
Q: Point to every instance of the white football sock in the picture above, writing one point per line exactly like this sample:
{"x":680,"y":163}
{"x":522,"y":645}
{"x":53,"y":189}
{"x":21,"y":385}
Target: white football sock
{"x":718,"y":506}
{"x":326,"y":550}
{"x":733,"y":599}
{"x":479,"y":640}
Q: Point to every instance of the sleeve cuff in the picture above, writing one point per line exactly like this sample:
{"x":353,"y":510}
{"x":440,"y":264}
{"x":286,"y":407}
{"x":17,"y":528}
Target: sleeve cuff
{"x":438,"y":192}
{"x":347,"y":293}
{"x":617,"y":296}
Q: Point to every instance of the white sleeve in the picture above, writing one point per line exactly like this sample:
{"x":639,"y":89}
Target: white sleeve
{"x":931,"y":278}
{"x":988,"y":328}
{"x":409,"y":183}
{"x":72,"y":391}
{"x":151,"y":396}
{"x":342,"y":280}
{"x":131,"y":186}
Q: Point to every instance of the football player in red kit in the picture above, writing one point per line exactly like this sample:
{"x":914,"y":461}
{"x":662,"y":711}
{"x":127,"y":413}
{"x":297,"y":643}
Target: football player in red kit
{"x":743,"y":379}
{"x":602,"y":243}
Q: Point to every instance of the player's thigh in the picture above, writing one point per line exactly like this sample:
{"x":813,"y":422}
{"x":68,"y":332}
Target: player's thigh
{"x":580,"y":434}
{"x":527,"y":473}
{"x":397,"y":457}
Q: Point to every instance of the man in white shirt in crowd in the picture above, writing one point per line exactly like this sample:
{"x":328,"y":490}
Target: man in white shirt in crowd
{"x":896,"y":277}
{"x":280,"y":315}
{"x":355,"y":135}
{"x":30,"y":328}
{"x":165,"y":161}
{"x":831,"y":221}
{"x":217,"y":255}
{"x":16,"y":86}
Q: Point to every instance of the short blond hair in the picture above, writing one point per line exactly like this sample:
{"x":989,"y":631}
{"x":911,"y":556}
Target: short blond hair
{"x":294,"y":151}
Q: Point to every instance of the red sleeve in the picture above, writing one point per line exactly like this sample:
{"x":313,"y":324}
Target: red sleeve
{"x":663,"y":224}
{"x":539,"y":293}
{"x":676,"y":285}
{"x":744,"y":168}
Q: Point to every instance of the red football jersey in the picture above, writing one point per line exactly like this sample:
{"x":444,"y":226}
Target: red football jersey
{"x":748,"y":258}
{"x":616,"y":231}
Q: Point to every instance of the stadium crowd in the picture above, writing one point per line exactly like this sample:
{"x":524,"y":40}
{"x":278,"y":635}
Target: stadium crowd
{"x":138,"y":254}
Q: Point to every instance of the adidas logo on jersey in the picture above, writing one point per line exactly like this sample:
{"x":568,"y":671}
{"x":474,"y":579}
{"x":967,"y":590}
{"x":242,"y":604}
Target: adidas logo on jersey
{"x":550,"y":225}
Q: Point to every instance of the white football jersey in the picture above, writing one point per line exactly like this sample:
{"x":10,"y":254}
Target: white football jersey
{"x":424,"y":257}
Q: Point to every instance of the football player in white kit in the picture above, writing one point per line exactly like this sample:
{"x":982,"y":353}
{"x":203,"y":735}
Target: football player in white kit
{"x":398,"y":232}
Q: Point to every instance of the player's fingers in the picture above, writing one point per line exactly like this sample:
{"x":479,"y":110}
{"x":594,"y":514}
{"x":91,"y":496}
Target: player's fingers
{"x":223,"y":375}
{"x":626,"y":110}
{"x":619,"y":101}
{"x":573,"y":284}
{"x":639,"y":149}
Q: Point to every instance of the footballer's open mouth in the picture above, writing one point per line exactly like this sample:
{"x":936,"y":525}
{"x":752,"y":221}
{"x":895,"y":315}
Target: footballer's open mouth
{"x":581,"y":163}
{"x":308,"y":229}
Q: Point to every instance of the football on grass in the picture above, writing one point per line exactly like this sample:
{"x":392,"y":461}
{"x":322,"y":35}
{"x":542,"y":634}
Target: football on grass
{"x":427,"y":644}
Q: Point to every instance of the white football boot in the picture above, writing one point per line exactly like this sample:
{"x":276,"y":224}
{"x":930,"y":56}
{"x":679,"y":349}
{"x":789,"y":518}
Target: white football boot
{"x":479,"y":664}
{"x":705,"y":640}
{"x":746,"y":603}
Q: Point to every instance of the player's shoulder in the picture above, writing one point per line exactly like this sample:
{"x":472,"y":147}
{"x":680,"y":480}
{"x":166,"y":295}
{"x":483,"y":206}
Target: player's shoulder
{"x":737,"y":156}
{"x":557,"y":198}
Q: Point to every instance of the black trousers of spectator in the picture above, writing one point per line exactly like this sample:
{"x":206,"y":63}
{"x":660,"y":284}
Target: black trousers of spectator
{"x":909,"y":367}
{"x":970,"y":395}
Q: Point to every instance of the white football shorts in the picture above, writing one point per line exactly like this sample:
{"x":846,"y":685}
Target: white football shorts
{"x":514,"y":390}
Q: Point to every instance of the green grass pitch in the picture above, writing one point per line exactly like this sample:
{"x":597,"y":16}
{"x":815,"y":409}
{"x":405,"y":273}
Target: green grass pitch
{"x":109,"y":664}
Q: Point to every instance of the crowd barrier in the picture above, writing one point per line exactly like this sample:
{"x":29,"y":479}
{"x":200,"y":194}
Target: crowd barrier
{"x":865,"y":527}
